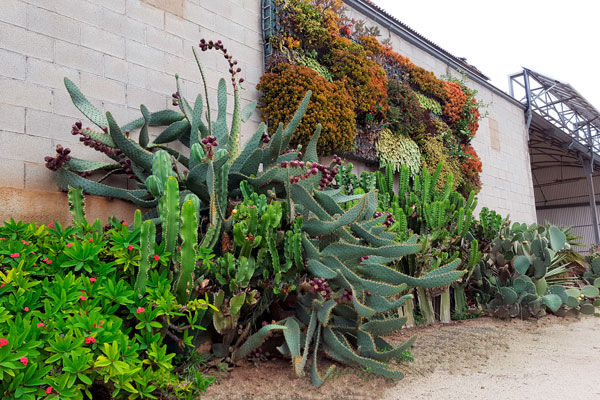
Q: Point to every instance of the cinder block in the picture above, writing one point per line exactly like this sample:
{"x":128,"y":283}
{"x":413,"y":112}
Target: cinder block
{"x":200,"y":16}
{"x":14,"y":12}
{"x":122,"y":25}
{"x":181,"y":27}
{"x":49,"y":74}
{"x":114,"y":5}
{"x":63,"y":105}
{"x":103,"y":88}
{"x":145,"y":13}
{"x":13,"y":173}
{"x":103,"y":40}
{"x":52,"y":24}
{"x":249,"y":19}
{"x":79,"y":57}
{"x":160,"y":82}
{"x":26,"y":94}
{"x":12,"y":118}
{"x":152,"y":100}
{"x":115,"y":68}
{"x":12,"y":64}
{"x":25,"y":42}
{"x":87,"y":12}
{"x":176,"y":7}
{"x":137,"y":75}
{"x":47,"y":124}
{"x":38,"y":177}
{"x":164,"y":41}
{"x":144,"y":55}
{"x":18,"y":146}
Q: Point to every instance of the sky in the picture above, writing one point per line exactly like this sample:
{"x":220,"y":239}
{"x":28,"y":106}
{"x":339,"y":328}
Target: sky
{"x":560,"y":39}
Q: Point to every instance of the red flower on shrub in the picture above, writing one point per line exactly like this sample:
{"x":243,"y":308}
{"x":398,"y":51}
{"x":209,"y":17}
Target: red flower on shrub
{"x":69,"y":244}
{"x":125,"y":224}
{"x":92,"y":280}
{"x":130,"y":247}
{"x":24,"y":360}
{"x":14,"y":255}
{"x":90,"y":339}
{"x":26,"y":309}
{"x":91,"y":240}
{"x":49,"y":390}
{"x":82,"y":298}
{"x":156,"y":257}
{"x":4,"y":284}
{"x":3,"y":342}
{"x":140,"y":310}
{"x":41,"y":325}
{"x":51,"y":225}
{"x":25,"y":242}
{"x":48,"y":261}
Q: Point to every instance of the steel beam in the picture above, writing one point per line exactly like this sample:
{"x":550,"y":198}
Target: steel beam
{"x":588,"y":171}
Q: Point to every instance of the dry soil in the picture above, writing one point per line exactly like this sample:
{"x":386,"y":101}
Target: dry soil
{"x":550,"y":358}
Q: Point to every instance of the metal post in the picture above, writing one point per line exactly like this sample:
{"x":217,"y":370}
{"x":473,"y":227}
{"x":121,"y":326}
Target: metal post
{"x":529,"y":110}
{"x":589,"y":171}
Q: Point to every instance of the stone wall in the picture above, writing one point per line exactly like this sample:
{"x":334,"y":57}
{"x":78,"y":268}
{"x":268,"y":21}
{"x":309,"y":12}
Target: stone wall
{"x":122,"y":53}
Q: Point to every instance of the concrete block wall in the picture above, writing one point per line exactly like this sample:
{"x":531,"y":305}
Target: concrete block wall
{"x":121,"y":53}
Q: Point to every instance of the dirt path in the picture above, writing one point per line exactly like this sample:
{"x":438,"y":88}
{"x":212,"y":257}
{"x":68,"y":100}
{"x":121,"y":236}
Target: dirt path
{"x":551,"y":358}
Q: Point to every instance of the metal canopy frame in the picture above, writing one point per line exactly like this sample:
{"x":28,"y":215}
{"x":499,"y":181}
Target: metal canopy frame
{"x":560,"y":104}
{"x":561,"y":126}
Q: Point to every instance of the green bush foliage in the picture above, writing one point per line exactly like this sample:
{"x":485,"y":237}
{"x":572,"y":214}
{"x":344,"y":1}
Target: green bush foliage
{"x":429,"y":104}
{"x":435,"y":153}
{"x":365,"y":80}
{"x":71,"y":323}
{"x":331,"y":106}
{"x":405,"y":116}
{"x":398,"y":150}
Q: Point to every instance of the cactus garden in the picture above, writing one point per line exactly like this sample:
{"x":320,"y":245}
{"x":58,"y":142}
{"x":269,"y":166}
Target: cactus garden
{"x":251,"y":250}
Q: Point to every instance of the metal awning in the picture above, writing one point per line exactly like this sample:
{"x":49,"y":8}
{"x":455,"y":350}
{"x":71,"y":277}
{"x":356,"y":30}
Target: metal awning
{"x":561,"y":105}
{"x":563,"y":130}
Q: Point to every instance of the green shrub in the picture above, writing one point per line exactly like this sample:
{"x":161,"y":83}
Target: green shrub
{"x":71,"y":324}
{"x":283,"y":89}
{"x":398,"y":150}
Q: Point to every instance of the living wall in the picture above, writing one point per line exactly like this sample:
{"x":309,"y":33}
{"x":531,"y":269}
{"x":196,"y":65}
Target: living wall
{"x":380,"y":101}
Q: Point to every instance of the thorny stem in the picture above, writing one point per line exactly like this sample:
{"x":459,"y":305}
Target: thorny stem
{"x":205,"y":89}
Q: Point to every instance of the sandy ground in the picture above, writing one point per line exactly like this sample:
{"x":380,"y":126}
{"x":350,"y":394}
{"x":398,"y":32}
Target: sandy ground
{"x":550,"y":358}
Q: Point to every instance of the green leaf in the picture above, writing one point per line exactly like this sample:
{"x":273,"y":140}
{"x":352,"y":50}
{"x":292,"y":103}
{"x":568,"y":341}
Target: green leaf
{"x":590,"y":291}
{"x":521,"y":264}
{"x":552,"y":301}
{"x":557,"y":238}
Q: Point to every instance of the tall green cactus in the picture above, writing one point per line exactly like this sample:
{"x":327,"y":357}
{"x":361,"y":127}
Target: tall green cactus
{"x":169,"y":213}
{"x":189,"y":243}
{"x":147,"y":243}
{"x":77,"y":206}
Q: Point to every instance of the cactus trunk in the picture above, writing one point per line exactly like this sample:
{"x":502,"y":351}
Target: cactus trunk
{"x":460,"y":299}
{"x":426,"y":306}
{"x":407,"y":311}
{"x":445,"y":306}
